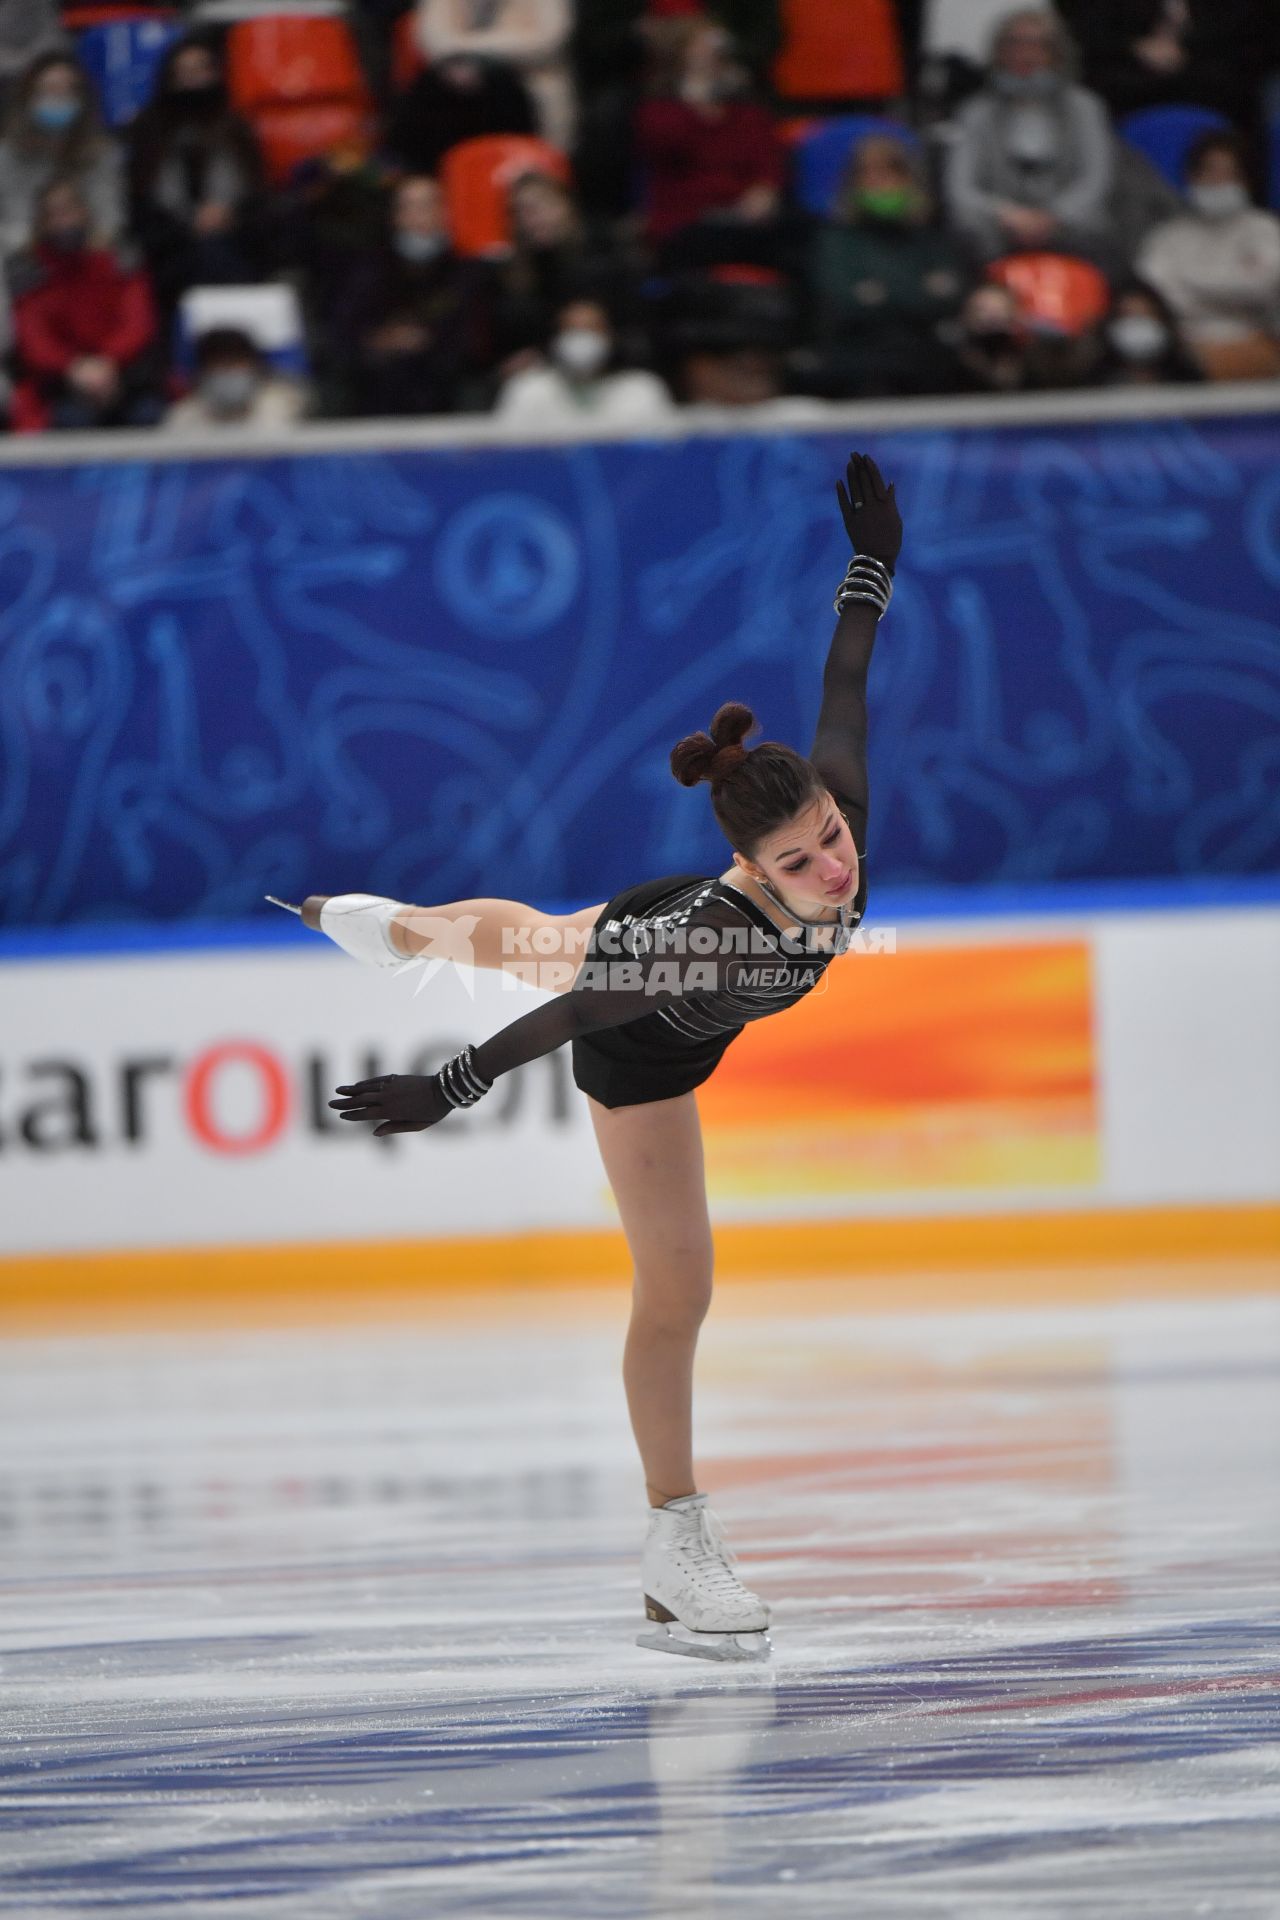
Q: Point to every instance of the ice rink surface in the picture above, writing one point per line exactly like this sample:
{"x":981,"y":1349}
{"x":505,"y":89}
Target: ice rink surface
{"x":338,"y":1624}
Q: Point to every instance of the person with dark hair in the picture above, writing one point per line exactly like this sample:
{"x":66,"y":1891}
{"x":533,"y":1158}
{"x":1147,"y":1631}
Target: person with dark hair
{"x":1218,"y":265}
{"x":530,"y":36}
{"x":670,"y":972}
{"x":1155,"y":53}
{"x":53,"y":131}
{"x":582,"y":379}
{"x":27,"y":28}
{"x":236,"y":390}
{"x":195,"y":177}
{"x":84,"y":325}
{"x":457,"y":98}
{"x":1143,"y":345}
{"x":414,"y":323}
{"x":556,"y":257}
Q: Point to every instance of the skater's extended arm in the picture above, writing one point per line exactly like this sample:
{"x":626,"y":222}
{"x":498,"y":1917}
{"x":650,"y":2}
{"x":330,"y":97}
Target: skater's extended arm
{"x":608,"y":992}
{"x":839,"y":749}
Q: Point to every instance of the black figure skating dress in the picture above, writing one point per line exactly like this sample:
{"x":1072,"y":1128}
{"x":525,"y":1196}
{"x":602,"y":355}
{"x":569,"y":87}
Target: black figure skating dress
{"x":675,"y":967}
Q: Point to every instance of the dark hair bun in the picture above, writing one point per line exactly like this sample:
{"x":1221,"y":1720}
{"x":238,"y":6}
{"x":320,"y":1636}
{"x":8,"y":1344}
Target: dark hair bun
{"x":713,"y":756}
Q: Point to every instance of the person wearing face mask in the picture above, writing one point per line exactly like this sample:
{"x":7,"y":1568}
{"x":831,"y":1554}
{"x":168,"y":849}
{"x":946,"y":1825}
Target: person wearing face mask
{"x":990,"y":343}
{"x":885,"y":277}
{"x":413,"y":328}
{"x":1218,"y":266}
{"x":1031,"y":162}
{"x":580,"y":383}
{"x":195,"y":178}
{"x":27,"y":28}
{"x":84,"y":325}
{"x":1143,"y":347}
{"x":555,"y":256}
{"x":53,"y":132}
{"x":711,"y":156}
{"x":235,"y":391}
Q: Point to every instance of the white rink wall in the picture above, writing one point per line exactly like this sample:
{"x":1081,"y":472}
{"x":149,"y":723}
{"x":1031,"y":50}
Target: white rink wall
{"x":177,"y":1098}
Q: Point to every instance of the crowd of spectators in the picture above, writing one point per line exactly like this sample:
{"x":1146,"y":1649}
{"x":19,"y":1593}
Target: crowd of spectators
{"x":988,"y":227}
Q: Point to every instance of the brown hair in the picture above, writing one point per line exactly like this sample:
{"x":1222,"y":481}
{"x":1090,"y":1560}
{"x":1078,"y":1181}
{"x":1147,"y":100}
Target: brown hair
{"x":902,"y":156}
{"x":82,"y":144}
{"x":754,"y":790}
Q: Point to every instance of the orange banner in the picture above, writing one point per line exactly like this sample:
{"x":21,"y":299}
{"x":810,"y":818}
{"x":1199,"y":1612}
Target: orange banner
{"x":942,"y":1067}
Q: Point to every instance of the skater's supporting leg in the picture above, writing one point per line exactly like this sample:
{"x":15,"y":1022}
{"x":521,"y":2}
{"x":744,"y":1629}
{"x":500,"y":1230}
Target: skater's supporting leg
{"x":499,"y":934}
{"x":652,"y":1155}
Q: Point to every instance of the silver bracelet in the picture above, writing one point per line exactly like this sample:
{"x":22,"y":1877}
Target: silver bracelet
{"x":865,"y":579}
{"x":460,"y":1080}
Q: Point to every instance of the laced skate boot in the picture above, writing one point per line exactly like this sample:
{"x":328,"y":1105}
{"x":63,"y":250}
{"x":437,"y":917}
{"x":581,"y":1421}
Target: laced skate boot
{"x":697,"y":1602}
{"x":359,"y":923}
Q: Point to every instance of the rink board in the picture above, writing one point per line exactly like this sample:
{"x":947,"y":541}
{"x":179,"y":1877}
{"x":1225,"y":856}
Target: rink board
{"x":1089,"y":1085}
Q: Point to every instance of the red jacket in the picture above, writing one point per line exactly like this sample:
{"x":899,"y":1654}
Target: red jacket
{"x":80,"y":303}
{"x":697,"y":165}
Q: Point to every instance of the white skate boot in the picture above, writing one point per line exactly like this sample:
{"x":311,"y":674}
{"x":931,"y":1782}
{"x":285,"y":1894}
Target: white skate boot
{"x":359,"y":923}
{"x":698,"y":1603}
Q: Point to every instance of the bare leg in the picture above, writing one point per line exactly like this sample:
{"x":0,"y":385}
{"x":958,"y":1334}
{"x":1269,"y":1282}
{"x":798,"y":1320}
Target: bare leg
{"x":652,"y":1155}
{"x":544,"y":949}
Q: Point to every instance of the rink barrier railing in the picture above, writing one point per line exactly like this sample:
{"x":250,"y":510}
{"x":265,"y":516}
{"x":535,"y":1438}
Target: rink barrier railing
{"x":1103,"y":406}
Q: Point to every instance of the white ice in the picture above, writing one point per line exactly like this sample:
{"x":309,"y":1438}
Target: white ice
{"x":339,"y":1623}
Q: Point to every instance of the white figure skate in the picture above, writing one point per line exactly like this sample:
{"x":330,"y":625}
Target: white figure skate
{"x":359,"y":923}
{"x":698,"y":1604}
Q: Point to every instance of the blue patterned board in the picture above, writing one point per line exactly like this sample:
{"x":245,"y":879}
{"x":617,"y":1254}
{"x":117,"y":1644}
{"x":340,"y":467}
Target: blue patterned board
{"x":438,"y":673}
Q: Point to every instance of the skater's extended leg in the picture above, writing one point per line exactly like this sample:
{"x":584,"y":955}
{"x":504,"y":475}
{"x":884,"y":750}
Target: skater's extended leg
{"x":544,"y":949}
{"x":653,"y":1158}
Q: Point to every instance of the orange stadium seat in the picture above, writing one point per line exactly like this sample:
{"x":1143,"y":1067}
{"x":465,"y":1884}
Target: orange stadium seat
{"x":1056,"y":291}
{"x":293,"y":59}
{"x":298,"y":78}
{"x":476,"y":175}
{"x":840,"y":50}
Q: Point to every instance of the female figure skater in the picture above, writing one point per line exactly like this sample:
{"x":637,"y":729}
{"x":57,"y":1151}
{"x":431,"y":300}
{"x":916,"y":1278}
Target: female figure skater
{"x":672,"y":971}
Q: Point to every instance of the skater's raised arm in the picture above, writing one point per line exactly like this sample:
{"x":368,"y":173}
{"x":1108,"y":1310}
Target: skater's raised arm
{"x":839,"y":749}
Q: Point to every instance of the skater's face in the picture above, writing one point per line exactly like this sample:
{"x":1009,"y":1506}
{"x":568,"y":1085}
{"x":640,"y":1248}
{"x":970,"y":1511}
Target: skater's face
{"x":811,"y":862}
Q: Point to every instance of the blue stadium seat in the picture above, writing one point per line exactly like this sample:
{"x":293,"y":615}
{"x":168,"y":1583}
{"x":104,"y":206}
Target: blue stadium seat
{"x":1164,"y":134}
{"x":122,"y":59}
{"x":821,"y":153}
{"x":269,"y":314}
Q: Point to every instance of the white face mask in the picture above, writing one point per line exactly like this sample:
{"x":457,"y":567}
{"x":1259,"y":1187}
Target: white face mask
{"x":1219,"y":200}
{"x":229,"y":390}
{"x":1027,"y":86}
{"x":1138,"y":336}
{"x":418,"y":248}
{"x":581,"y":351}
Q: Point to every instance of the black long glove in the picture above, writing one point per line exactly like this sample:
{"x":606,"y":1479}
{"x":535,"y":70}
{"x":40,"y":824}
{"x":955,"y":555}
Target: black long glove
{"x":870,"y":511}
{"x":402,"y":1102}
